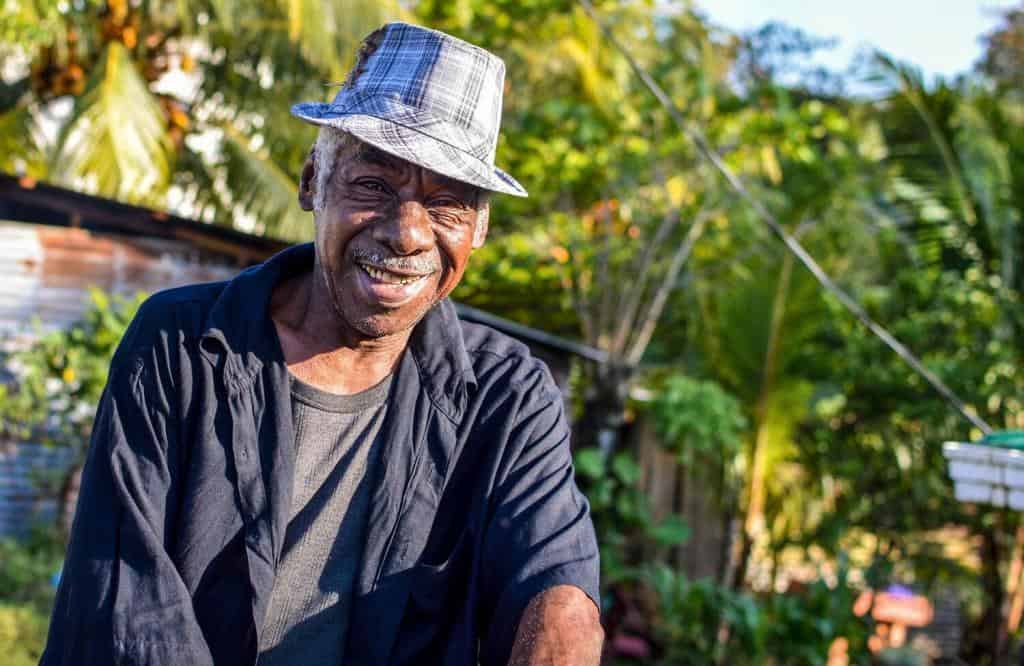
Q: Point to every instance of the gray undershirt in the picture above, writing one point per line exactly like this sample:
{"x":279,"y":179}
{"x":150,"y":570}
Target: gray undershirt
{"x":335,"y":458}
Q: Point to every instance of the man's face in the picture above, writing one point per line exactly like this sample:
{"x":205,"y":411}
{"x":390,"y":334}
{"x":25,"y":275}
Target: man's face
{"x":392,"y":239}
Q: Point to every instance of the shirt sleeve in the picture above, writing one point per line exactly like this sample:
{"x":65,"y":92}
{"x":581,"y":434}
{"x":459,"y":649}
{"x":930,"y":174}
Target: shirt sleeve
{"x":540,"y":533}
{"x":121,"y":599}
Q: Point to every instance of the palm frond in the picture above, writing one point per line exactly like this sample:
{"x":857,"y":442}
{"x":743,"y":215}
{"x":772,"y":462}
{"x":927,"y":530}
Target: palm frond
{"x":22,"y":144}
{"x":260,"y":188}
{"x":116,"y":142}
{"x":911,"y":86}
{"x":198,"y":194}
{"x":988,"y":172}
{"x":328,"y":32}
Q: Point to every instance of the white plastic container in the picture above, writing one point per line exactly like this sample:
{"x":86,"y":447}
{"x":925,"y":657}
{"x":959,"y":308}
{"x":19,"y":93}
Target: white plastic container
{"x":973,"y":463}
{"x":1013,"y":468}
{"x":990,"y":471}
{"x":966,"y":491}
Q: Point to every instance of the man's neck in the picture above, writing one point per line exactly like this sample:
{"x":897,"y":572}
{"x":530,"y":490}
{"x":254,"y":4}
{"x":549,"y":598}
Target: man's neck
{"x":320,"y":349}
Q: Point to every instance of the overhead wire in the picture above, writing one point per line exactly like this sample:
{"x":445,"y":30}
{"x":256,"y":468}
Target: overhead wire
{"x":704,"y":148}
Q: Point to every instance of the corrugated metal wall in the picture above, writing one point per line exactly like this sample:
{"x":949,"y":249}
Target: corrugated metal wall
{"x":22,"y":468}
{"x":45,"y":275}
{"x":45,"y":272}
{"x":20,"y":254}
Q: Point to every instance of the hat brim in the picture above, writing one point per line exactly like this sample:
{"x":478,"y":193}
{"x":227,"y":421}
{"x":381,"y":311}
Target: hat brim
{"x":416,"y":144}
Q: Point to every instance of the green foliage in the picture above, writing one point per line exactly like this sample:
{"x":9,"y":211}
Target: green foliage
{"x":27,"y":593}
{"x":59,"y":378}
{"x":29,"y":566}
{"x":700,"y":622}
{"x":22,"y":634}
{"x":171,"y":93}
{"x":515,"y":276}
{"x":58,"y":381}
{"x":698,"y":420}
{"x":116,"y":117}
{"x":622,"y":514}
{"x":34,"y":24}
{"x":800,"y":628}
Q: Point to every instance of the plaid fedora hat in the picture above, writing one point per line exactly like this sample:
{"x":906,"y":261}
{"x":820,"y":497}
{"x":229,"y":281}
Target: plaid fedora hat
{"x":428,"y":98}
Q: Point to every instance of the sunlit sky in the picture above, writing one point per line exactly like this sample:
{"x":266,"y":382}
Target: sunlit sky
{"x":939,"y":36}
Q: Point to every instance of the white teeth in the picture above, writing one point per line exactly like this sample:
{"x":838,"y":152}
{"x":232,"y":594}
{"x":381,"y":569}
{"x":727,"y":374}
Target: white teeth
{"x":386,"y":276}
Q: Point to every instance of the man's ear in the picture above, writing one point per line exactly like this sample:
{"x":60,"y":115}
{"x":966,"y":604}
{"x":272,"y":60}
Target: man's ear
{"x":483,"y":216}
{"x":307,"y":182}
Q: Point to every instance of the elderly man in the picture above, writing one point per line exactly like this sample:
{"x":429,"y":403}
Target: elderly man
{"x":316,"y":462}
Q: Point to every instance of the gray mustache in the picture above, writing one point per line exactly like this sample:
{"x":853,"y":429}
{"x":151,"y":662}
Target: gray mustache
{"x":398,"y":264}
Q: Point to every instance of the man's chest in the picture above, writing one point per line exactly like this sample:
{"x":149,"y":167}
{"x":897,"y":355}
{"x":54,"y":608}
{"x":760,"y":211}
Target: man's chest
{"x":422,"y":514}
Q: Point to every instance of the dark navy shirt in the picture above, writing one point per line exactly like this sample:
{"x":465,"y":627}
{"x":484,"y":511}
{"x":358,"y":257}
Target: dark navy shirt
{"x":186,"y":492}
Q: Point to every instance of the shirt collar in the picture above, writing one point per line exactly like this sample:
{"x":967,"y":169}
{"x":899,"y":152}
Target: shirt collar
{"x":240,"y":334}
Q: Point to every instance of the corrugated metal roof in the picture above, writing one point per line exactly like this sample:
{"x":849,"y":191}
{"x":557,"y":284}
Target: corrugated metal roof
{"x":47,"y":271}
{"x":26,"y":200}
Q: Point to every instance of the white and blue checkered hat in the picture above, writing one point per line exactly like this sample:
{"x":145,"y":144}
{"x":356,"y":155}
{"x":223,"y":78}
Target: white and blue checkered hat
{"x":428,"y":98}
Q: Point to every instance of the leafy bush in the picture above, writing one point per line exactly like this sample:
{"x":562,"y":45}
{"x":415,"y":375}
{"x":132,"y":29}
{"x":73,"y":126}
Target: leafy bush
{"x":29,"y":566}
{"x":698,"y":420}
{"x":622,"y":514}
{"x":56,"y":387}
{"x":26,"y":594}
{"x":700,"y":622}
{"x":22,"y":634}
{"x":59,"y":378}
{"x":799,"y":628}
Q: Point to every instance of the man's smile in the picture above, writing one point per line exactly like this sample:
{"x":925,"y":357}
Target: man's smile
{"x":391,"y":288}
{"x":390,"y":276}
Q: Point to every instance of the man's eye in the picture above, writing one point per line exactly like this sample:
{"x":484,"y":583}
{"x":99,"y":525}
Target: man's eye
{"x":447,"y":202}
{"x":372,"y":185}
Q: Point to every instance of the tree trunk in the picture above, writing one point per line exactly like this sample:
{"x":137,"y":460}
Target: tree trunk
{"x":991,"y":629}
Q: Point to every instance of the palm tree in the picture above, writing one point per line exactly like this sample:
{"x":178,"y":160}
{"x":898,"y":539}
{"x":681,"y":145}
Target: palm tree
{"x":188,"y":99}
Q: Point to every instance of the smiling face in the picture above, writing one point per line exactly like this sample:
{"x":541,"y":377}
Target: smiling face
{"x":392,"y":238}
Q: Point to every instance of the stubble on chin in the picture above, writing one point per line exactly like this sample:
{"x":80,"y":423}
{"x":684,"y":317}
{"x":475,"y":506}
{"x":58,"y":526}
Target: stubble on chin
{"x":380,"y":324}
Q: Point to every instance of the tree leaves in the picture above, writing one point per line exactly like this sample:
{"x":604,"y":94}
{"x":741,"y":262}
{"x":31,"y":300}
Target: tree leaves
{"x":22,"y":146}
{"x":261,"y":189}
{"x":116,"y":142}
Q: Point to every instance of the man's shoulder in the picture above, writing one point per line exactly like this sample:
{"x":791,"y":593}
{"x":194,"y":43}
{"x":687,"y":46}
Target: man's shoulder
{"x":190,"y":296}
{"x":171,"y":316}
{"x":503,"y":362}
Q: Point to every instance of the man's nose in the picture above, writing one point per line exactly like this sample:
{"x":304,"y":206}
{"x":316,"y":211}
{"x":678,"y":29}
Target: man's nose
{"x":408,"y":231}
